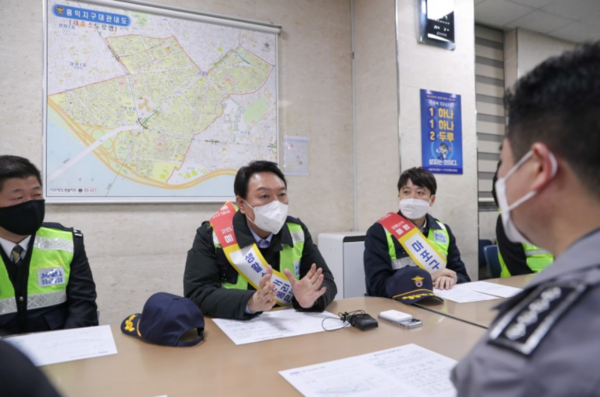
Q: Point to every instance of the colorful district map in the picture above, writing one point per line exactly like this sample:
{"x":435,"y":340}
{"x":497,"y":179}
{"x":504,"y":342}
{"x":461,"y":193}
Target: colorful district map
{"x":144,"y":107}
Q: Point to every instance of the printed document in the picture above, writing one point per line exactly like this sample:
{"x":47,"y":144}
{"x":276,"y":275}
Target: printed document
{"x":477,"y":291}
{"x":53,"y":347}
{"x":462,"y":295}
{"x":502,"y":291}
{"x":276,"y":324}
{"x":403,"y":371}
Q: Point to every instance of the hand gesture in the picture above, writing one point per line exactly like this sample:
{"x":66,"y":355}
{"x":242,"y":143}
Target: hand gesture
{"x":264,"y":297}
{"x":306,"y":291}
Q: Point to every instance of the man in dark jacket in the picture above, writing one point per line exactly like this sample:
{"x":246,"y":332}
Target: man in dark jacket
{"x":45,"y":278}
{"x":385,"y":254}
{"x":251,"y":256}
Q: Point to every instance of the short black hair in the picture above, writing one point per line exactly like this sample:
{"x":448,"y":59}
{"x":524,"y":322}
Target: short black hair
{"x":419,"y":177}
{"x":558,"y":104}
{"x":17,"y":167}
{"x":240,"y":185}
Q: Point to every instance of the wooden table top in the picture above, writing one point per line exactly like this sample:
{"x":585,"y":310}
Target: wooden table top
{"x":219,"y":367}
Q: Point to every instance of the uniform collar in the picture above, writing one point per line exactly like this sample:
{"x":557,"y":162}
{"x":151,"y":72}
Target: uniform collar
{"x":245,"y":238}
{"x":257,"y":238}
{"x":8,"y":246}
{"x":580,"y":255}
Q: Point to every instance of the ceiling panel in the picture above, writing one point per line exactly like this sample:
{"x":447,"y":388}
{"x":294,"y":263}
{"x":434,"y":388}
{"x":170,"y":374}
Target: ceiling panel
{"x":541,"y":22}
{"x":577,"y":32}
{"x":571,"y":20}
{"x":534,"y":3}
{"x":593,"y":20}
{"x":499,"y":12}
{"x":574,"y":9}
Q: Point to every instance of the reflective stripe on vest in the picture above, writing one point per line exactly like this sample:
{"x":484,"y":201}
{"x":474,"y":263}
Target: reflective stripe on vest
{"x":537,"y":259}
{"x":289,"y":258}
{"x":49,"y":270}
{"x":440,"y":246}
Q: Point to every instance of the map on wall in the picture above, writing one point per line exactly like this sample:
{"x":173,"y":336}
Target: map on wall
{"x":144,"y":106}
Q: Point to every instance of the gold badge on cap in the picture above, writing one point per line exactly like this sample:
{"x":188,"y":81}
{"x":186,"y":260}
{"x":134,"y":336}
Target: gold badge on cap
{"x":418,"y":281}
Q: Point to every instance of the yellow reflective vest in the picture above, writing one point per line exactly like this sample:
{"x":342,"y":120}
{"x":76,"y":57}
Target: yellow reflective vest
{"x":537,"y":259}
{"x":49,"y":270}
{"x":289,"y":257}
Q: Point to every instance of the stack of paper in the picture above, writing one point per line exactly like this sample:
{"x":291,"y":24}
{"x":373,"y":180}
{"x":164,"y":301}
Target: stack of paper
{"x":477,"y":291}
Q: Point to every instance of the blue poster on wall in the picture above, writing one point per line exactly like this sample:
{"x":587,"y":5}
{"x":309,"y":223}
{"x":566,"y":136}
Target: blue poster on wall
{"x":441,"y":132}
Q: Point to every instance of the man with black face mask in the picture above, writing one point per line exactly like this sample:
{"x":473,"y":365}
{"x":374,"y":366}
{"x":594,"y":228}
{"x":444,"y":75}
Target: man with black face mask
{"x":45,"y":278}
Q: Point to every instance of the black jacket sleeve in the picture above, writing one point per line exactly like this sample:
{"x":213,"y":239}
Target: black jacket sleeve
{"x":20,"y":378}
{"x":310,"y":255}
{"x":513,"y":254}
{"x":454,"y":261}
{"x":377,"y":261}
{"x":82,"y":310}
{"x":202,"y":281}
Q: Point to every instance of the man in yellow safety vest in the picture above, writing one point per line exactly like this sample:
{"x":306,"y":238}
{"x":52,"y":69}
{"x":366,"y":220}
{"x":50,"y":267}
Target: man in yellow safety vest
{"x":252,"y":256}
{"x":412,"y":237}
{"x":45,"y":278}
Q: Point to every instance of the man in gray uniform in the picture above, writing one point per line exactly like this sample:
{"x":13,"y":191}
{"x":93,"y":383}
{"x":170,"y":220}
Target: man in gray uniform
{"x":546,"y":340}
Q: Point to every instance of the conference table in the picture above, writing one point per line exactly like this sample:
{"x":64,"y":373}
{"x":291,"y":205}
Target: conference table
{"x":479,"y":313}
{"x":219,"y":367}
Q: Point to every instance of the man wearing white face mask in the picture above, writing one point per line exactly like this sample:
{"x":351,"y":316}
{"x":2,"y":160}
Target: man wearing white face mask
{"x":252,"y":256}
{"x":412,"y":237}
{"x":544,"y":341}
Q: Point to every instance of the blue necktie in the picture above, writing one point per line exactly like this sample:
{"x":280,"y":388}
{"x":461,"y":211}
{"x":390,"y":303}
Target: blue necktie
{"x":263,"y":243}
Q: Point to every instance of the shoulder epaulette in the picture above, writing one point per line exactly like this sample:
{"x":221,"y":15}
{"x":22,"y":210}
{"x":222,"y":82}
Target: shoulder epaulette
{"x":55,"y":225}
{"x":293,"y":220}
{"x":526,"y":325}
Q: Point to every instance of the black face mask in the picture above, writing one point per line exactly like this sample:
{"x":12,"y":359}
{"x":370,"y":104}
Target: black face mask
{"x":23,"y":219}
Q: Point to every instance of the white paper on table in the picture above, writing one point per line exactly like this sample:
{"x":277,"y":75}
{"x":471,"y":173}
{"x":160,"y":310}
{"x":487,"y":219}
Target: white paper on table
{"x":45,"y":348}
{"x":462,"y":295}
{"x":408,"y":370}
{"x":502,"y":291}
{"x":274,"y":325}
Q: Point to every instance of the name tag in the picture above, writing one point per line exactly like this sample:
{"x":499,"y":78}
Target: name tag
{"x":51,"y":276}
{"x":440,"y":237}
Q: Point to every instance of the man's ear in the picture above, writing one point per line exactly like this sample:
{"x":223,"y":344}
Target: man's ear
{"x":432,"y":200}
{"x":241,"y":204}
{"x":545,"y":165}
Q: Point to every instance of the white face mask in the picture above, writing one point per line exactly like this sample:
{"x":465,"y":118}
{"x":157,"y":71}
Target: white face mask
{"x":270,"y":217}
{"x":414,"y":208}
{"x":512,"y":233}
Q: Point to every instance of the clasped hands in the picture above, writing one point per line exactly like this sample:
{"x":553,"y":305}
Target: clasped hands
{"x":306,"y":290}
{"x":444,"y":279}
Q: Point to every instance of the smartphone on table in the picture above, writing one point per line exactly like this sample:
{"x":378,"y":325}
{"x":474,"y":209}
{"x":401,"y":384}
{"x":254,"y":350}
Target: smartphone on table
{"x":400,"y":318}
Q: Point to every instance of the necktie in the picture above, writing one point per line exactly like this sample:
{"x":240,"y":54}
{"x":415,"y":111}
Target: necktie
{"x":263,"y":243}
{"x":16,"y":253}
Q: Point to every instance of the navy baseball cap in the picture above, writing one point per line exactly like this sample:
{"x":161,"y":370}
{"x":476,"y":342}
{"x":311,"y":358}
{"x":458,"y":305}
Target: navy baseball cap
{"x":411,"y":284}
{"x":165,"y":319}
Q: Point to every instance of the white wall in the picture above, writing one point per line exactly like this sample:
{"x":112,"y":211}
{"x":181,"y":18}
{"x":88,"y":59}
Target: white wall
{"x":381,"y":122}
{"x":376,"y":86}
{"x":135,"y":250}
{"x":526,"y":49}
